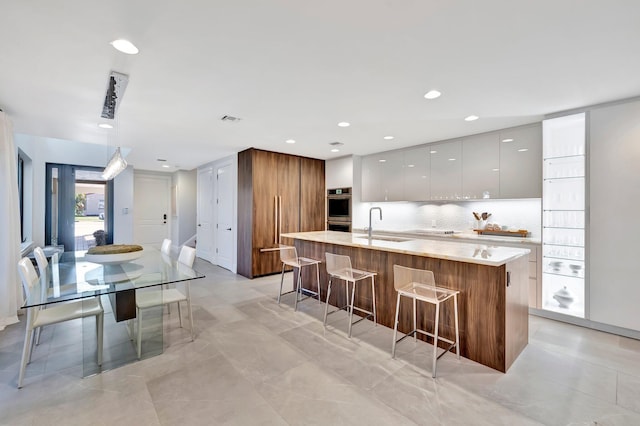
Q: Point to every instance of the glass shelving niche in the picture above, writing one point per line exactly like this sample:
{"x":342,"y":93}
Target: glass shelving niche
{"x":563,"y":215}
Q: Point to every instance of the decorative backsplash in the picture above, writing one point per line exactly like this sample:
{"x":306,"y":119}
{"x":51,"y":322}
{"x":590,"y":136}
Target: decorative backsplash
{"x":405,"y":216}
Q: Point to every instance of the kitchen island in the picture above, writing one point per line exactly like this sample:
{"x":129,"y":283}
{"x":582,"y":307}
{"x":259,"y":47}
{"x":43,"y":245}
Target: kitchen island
{"x":492,"y":280}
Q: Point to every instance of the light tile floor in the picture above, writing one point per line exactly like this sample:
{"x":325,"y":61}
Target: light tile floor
{"x":255,"y":362}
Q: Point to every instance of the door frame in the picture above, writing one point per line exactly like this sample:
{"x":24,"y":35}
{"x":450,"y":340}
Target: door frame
{"x":68,"y":170}
{"x":205,"y":171}
{"x":159,"y":176}
{"x":232,"y":160}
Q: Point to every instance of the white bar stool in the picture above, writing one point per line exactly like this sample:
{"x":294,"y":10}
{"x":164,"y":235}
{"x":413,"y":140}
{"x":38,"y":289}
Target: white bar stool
{"x":420,"y":284}
{"x":289,"y":257}
{"x":339,"y":266}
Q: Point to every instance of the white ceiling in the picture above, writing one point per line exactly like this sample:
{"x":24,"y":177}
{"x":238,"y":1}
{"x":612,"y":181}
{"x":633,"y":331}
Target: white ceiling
{"x":293,"y":69}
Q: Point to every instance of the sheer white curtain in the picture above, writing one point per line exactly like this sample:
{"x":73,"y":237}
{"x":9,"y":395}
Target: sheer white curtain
{"x":10,"y":293}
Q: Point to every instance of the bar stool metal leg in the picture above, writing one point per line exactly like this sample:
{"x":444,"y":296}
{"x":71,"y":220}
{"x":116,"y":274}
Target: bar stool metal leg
{"x":318,"y":281}
{"x":281,"y":281}
{"x":435,"y":341}
{"x":455,"y":306}
{"x":395,"y":329}
{"x":373,"y":292}
{"x":326,"y":306}
{"x":415,"y":322}
{"x":353,"y":295}
{"x":298,"y":287}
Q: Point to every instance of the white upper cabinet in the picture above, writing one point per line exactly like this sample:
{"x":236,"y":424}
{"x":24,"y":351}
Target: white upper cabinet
{"x":500,"y":164}
{"x":390,"y":164}
{"x":416,"y":174}
{"x":371,"y":179}
{"x":481,"y":167}
{"x":382,"y":177}
{"x":521,"y":162}
{"x":446,"y":170}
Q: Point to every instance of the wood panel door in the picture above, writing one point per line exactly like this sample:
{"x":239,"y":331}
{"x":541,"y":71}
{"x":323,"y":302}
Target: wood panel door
{"x":288,"y":170}
{"x":265,"y":214}
{"x":312,"y":195}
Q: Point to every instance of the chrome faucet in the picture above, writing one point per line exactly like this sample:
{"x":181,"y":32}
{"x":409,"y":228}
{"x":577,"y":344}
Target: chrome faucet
{"x":370,"y":210}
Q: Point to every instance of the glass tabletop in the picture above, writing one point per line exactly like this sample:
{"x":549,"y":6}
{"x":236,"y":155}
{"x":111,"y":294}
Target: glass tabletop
{"x":69,"y":276}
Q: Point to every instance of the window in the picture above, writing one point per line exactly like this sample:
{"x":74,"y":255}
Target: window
{"x":23,"y":238}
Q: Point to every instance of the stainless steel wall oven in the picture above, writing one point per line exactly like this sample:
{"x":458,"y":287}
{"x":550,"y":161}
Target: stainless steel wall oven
{"x":339,"y":209}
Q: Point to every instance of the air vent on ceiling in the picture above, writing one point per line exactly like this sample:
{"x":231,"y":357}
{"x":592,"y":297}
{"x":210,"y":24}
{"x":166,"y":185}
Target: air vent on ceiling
{"x":336,"y":143}
{"x":115,"y":92}
{"x":230,"y":118}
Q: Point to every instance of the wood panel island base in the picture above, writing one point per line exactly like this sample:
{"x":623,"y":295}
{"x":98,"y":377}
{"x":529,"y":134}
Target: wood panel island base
{"x":493,"y":284}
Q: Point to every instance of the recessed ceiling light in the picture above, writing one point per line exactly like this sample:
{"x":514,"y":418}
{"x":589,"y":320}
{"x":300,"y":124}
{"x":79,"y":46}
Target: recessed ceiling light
{"x":125,"y":46}
{"x":388,"y":138}
{"x":290,"y":141}
{"x":471,"y":118}
{"x":523,"y":150}
{"x":344,"y":124}
{"x":495,"y":170}
{"x":166,"y":166}
{"x":507,"y":140}
{"x":433,"y":151}
{"x":410,"y":165}
{"x":432,"y":94}
{"x":335,"y":150}
{"x":105,"y":126}
{"x":452,"y":159}
{"x":382,"y":161}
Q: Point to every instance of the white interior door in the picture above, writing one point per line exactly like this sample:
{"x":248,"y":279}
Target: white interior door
{"x":151,"y":209}
{"x":224,"y":208}
{"x":204,"y":238}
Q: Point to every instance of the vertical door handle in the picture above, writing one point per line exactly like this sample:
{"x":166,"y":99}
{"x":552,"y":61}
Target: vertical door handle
{"x":279,"y":218}
{"x":508,"y":278}
{"x":275,"y":220}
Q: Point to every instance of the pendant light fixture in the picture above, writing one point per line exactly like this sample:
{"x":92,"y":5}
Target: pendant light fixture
{"x":114,"y":166}
{"x":115,"y":90}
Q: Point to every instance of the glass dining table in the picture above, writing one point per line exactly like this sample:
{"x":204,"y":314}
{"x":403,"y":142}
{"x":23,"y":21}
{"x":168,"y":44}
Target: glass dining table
{"x":71,"y":277}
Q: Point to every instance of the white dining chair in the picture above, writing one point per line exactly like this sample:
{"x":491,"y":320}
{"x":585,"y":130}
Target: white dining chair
{"x":54,"y":314}
{"x":42,"y":262}
{"x":166,"y":247}
{"x":149,"y":298}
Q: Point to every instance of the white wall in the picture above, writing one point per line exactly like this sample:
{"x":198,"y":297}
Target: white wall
{"x":49,"y":150}
{"x":614,"y":191}
{"x":339,"y":173}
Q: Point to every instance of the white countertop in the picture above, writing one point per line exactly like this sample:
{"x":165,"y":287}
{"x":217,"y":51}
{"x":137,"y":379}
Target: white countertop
{"x":480,"y":253}
{"x":458,"y":235}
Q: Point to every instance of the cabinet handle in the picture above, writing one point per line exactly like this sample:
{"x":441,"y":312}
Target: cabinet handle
{"x":279,"y":218}
{"x":275,"y":220}
{"x":508,"y":278}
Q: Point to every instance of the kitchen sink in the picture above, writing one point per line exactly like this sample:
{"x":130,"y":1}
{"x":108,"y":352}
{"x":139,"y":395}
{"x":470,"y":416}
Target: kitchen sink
{"x":384,"y":238}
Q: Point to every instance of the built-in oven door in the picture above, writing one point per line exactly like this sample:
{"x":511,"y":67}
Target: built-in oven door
{"x":339,"y":208}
